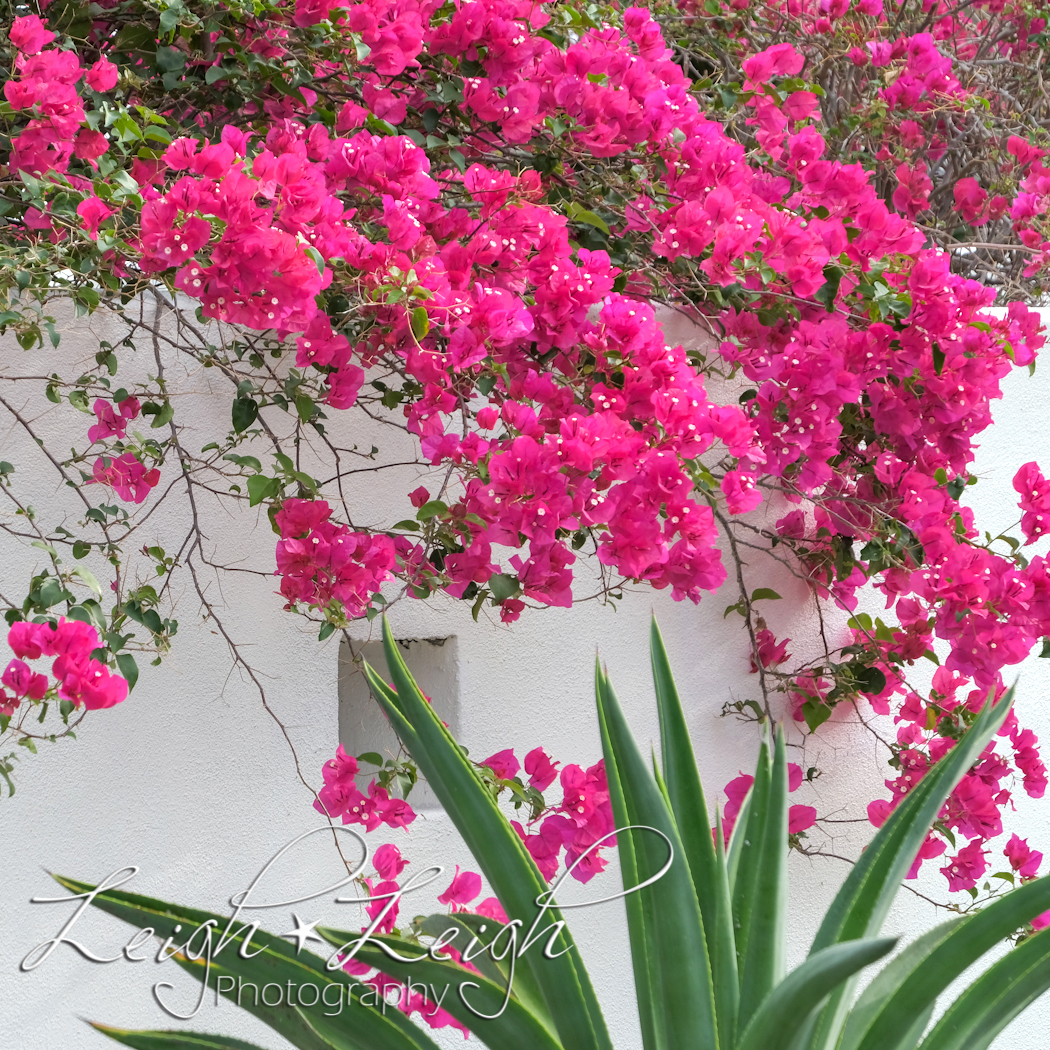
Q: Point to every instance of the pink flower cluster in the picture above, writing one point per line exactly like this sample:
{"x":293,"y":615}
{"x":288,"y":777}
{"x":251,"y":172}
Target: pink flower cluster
{"x":126,"y":474}
{"x":113,"y":423}
{"x":46,"y":85}
{"x":81,"y":678}
{"x":582,"y":825}
{"x":974,"y":808}
{"x":320,"y":561}
{"x":340,"y":797}
{"x":1034,"y":490}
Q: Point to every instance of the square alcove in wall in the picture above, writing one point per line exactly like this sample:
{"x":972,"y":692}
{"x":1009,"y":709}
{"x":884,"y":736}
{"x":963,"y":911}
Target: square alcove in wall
{"x":434,"y":663}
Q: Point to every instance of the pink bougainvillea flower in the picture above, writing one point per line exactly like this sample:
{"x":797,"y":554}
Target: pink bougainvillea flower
{"x":503,"y":764}
{"x":740,"y":492}
{"x":94,"y":212}
{"x":1023,"y":860}
{"x":22,"y":681}
{"x":541,"y":769}
{"x":970,"y":199}
{"x":29,"y":34}
{"x":388,"y":861}
{"x":385,"y":901}
{"x":465,"y":886}
{"x":801,"y":818}
{"x":110,"y":423}
{"x":81,"y":678}
{"x":491,"y":908}
{"x":102,"y":75}
{"x":126,"y":475}
{"x":966,"y":867}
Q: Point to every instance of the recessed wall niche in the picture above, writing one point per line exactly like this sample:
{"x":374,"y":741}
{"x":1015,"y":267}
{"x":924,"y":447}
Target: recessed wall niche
{"x":434,"y":662}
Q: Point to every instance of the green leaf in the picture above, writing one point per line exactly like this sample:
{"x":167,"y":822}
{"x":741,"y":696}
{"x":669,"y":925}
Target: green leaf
{"x":886,"y":982}
{"x":80,"y":549}
{"x":938,"y":359}
{"x":316,"y":256}
{"x":870,"y":679}
{"x":784,"y":1012}
{"x":578,"y":213}
{"x":828,"y":291}
{"x":946,"y":959}
{"x":502,"y":856}
{"x":245,"y":413}
{"x":172,"y":1040}
{"x":815,"y":713}
{"x":164,"y":416}
{"x":88,"y":577}
{"x":359,"y":1027}
{"x":504,"y":586}
{"x":420,"y":322}
{"x":666,"y":926}
{"x":128,"y":669}
{"x":760,"y":899}
{"x":765,"y":593}
{"x":737,"y":840}
{"x":261,"y":488}
{"x":686,"y":797}
{"x":431,"y":509}
{"x":974,"y":1020}
{"x":487,"y":931}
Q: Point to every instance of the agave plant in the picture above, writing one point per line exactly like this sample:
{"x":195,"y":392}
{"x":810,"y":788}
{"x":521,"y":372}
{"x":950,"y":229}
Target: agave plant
{"x":707,"y":929}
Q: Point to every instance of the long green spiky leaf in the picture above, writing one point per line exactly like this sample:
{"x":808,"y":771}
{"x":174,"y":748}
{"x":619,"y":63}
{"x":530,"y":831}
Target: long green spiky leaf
{"x":686,"y":797}
{"x":747,"y":845}
{"x":860,"y":907}
{"x":784,"y":1012}
{"x":1006,"y":989}
{"x":966,"y":943}
{"x":672,"y":930}
{"x":682,"y":778}
{"x":277,"y":962}
{"x":566,"y":986}
{"x":498,"y":1020}
{"x":762,"y":958}
{"x":168,"y":1040}
{"x":722,"y":946}
{"x":886,"y":982}
{"x":635,"y":904}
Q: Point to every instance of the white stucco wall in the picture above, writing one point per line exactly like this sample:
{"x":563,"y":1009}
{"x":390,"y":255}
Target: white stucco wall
{"x":192,"y":780}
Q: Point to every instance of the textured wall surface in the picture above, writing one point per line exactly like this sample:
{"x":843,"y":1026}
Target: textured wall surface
{"x":194,"y":781}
